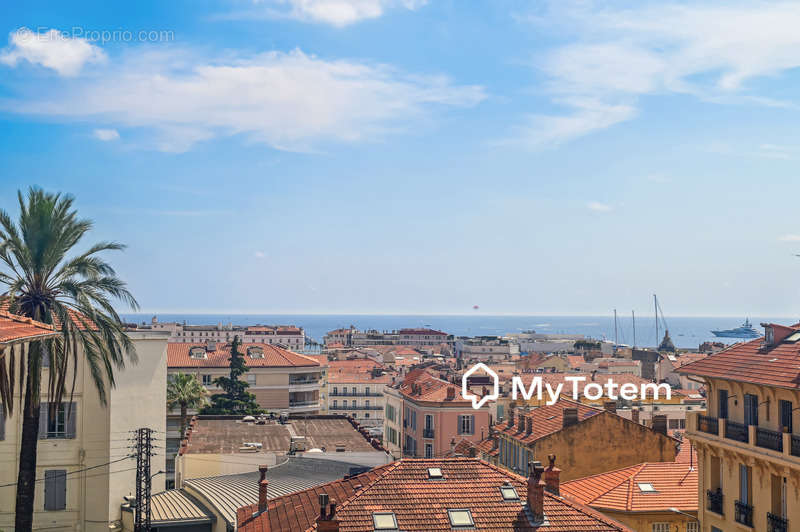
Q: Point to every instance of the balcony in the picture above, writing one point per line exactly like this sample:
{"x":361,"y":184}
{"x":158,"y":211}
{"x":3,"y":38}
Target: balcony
{"x":356,"y":394}
{"x":795,"y":445}
{"x":427,"y":433}
{"x":708,"y":424}
{"x":304,"y":406}
{"x":715,"y":501}
{"x":769,"y":439}
{"x":736,"y":431}
{"x":353,"y":407}
{"x":744,"y":513}
{"x":776,"y":523}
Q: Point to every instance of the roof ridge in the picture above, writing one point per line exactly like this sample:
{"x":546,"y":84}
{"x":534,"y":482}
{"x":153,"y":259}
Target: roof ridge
{"x":632,"y":479}
{"x":389,"y":468}
{"x":607,"y":473}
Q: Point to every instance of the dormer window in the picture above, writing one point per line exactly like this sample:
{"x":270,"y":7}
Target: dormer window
{"x":197,"y":353}
{"x":255,"y":352}
{"x":769,"y":335}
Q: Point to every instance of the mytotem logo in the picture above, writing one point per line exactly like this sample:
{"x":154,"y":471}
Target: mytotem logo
{"x":592,"y":391}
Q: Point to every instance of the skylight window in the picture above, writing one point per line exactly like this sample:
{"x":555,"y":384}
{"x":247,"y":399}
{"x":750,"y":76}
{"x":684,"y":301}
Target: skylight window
{"x":197,"y":352}
{"x":460,"y":518}
{"x":509,"y":493}
{"x":794,"y":337}
{"x":646,"y":487}
{"x":384,"y":521}
{"x":435,"y":473}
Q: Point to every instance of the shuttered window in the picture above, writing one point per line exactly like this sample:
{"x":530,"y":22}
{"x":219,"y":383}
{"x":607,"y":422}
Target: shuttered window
{"x":61,"y":425}
{"x":55,"y":489}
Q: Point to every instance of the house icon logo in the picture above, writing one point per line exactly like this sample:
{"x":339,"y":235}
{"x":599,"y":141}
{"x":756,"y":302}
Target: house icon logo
{"x":478,"y":401}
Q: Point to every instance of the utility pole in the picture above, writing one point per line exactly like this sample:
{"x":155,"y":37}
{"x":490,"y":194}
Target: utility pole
{"x":144,"y":450}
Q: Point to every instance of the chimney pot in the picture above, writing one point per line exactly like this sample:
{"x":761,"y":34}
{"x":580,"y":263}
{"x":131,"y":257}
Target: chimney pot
{"x":610,"y":406}
{"x":635,"y":415}
{"x":529,"y":426}
{"x":552,"y":476}
{"x":262,"y":495}
{"x":521,"y":422}
{"x":660,"y":424}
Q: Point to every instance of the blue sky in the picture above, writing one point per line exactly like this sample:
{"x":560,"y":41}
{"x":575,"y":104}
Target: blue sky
{"x":404,"y":156}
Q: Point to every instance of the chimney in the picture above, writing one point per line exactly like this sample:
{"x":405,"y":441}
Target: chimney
{"x":521,"y":422}
{"x":660,"y":424}
{"x":262,"y":488}
{"x":510,"y":416}
{"x":635,"y":415}
{"x":451,"y":393}
{"x":594,"y":374}
{"x":536,"y":491}
{"x":529,"y":425}
{"x":610,"y":406}
{"x":570,"y":417}
{"x":551,"y":476}
{"x":326,"y":521}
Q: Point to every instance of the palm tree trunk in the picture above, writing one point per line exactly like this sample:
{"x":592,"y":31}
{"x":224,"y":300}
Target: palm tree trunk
{"x":183,"y":420}
{"x":26,"y":480}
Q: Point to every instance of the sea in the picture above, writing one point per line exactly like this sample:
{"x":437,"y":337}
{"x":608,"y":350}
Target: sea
{"x":686,"y":332}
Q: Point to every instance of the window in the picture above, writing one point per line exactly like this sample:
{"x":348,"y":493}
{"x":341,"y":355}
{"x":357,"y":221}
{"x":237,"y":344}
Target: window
{"x":414,"y":419}
{"x":344,"y":403}
{"x":207,"y":380}
{"x":660,"y":527}
{"x":428,"y":422}
{"x":646,"y":487}
{"x":335,"y":390}
{"x":692,"y":526}
{"x":722,"y":404}
{"x":55,"y":489}
{"x":428,"y":450}
{"x":384,"y":521}
{"x":509,"y":493}
{"x":744,"y":484}
{"x":366,"y":390}
{"x":251,"y":379}
{"x":434,"y":472}
{"x":366,"y":415}
{"x":335,"y":403}
{"x":786,"y":415}
{"x":57,"y":424}
{"x":460,"y":518}
{"x":366,"y":403}
{"x":466,"y":424}
{"x":750,"y":409}
{"x":355,"y":390}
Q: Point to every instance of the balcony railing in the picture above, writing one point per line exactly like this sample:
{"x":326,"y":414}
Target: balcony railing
{"x":359,"y":407}
{"x":769,"y":439}
{"x":708,"y":424}
{"x":744,"y":513}
{"x":427,"y":433}
{"x":303,"y":403}
{"x":776,"y":523}
{"x":715,"y":500}
{"x":356,"y":394}
{"x":736,"y":431}
{"x":795,"y":445}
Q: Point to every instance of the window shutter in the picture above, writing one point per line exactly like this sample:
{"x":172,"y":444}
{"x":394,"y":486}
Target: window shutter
{"x":43,"y":413}
{"x":2,"y":423}
{"x":72,"y":412}
{"x":55,"y":489}
{"x":61,"y":489}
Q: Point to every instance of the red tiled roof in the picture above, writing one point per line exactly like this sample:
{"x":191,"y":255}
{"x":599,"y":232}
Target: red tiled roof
{"x":78,"y":319}
{"x":354,"y":364}
{"x":360,"y":377}
{"x":14,"y":328}
{"x":546,"y":420}
{"x":575,"y":361}
{"x":777,"y":365}
{"x":431,"y":389}
{"x":274,"y":356}
{"x":421,"y":504}
{"x":674,"y":482}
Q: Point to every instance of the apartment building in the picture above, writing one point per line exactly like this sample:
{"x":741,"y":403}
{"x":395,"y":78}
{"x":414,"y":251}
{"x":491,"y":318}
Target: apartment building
{"x":286,"y":336}
{"x":280,"y":379}
{"x":352,"y":337}
{"x":84,"y":459}
{"x":748,"y":443}
{"x":485,"y":348}
{"x":426,"y":416}
{"x":359,"y":394}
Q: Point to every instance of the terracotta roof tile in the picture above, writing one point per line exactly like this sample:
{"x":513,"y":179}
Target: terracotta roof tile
{"x":546,"y":420}
{"x":675,"y":486}
{"x":14,"y":328}
{"x":178,"y":356}
{"x":421,"y":504}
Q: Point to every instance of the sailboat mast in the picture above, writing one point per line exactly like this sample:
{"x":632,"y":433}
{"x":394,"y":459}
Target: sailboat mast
{"x":633,"y":318}
{"x":616,"y":342}
{"x":655,"y":306}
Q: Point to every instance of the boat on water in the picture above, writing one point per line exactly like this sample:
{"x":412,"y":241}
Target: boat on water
{"x":746,"y":330}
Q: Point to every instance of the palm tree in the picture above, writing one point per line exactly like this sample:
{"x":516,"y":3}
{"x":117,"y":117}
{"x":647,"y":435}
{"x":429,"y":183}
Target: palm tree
{"x":185,"y":391}
{"x":73,"y":294}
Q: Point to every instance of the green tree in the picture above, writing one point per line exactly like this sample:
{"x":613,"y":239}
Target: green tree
{"x":75,"y":295}
{"x":236,"y":400}
{"x":185,"y":391}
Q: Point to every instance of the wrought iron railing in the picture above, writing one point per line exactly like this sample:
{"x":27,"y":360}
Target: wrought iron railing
{"x":736,"y":431}
{"x":427,"y":433}
{"x":744,"y":513}
{"x":715,"y":500}
{"x":708,"y":424}
{"x":769,"y":439}
{"x":776,"y":523}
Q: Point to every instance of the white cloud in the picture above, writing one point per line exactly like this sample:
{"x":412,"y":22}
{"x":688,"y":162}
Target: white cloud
{"x":709,"y":50}
{"x":106,"y":134}
{"x":337,"y":13}
{"x":292,"y":101}
{"x":596,"y":206}
{"x":52,"y":50}
{"x":789,"y":238}
{"x":259,"y":254}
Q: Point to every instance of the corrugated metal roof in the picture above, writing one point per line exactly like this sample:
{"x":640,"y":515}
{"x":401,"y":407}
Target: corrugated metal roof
{"x":176,"y":505}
